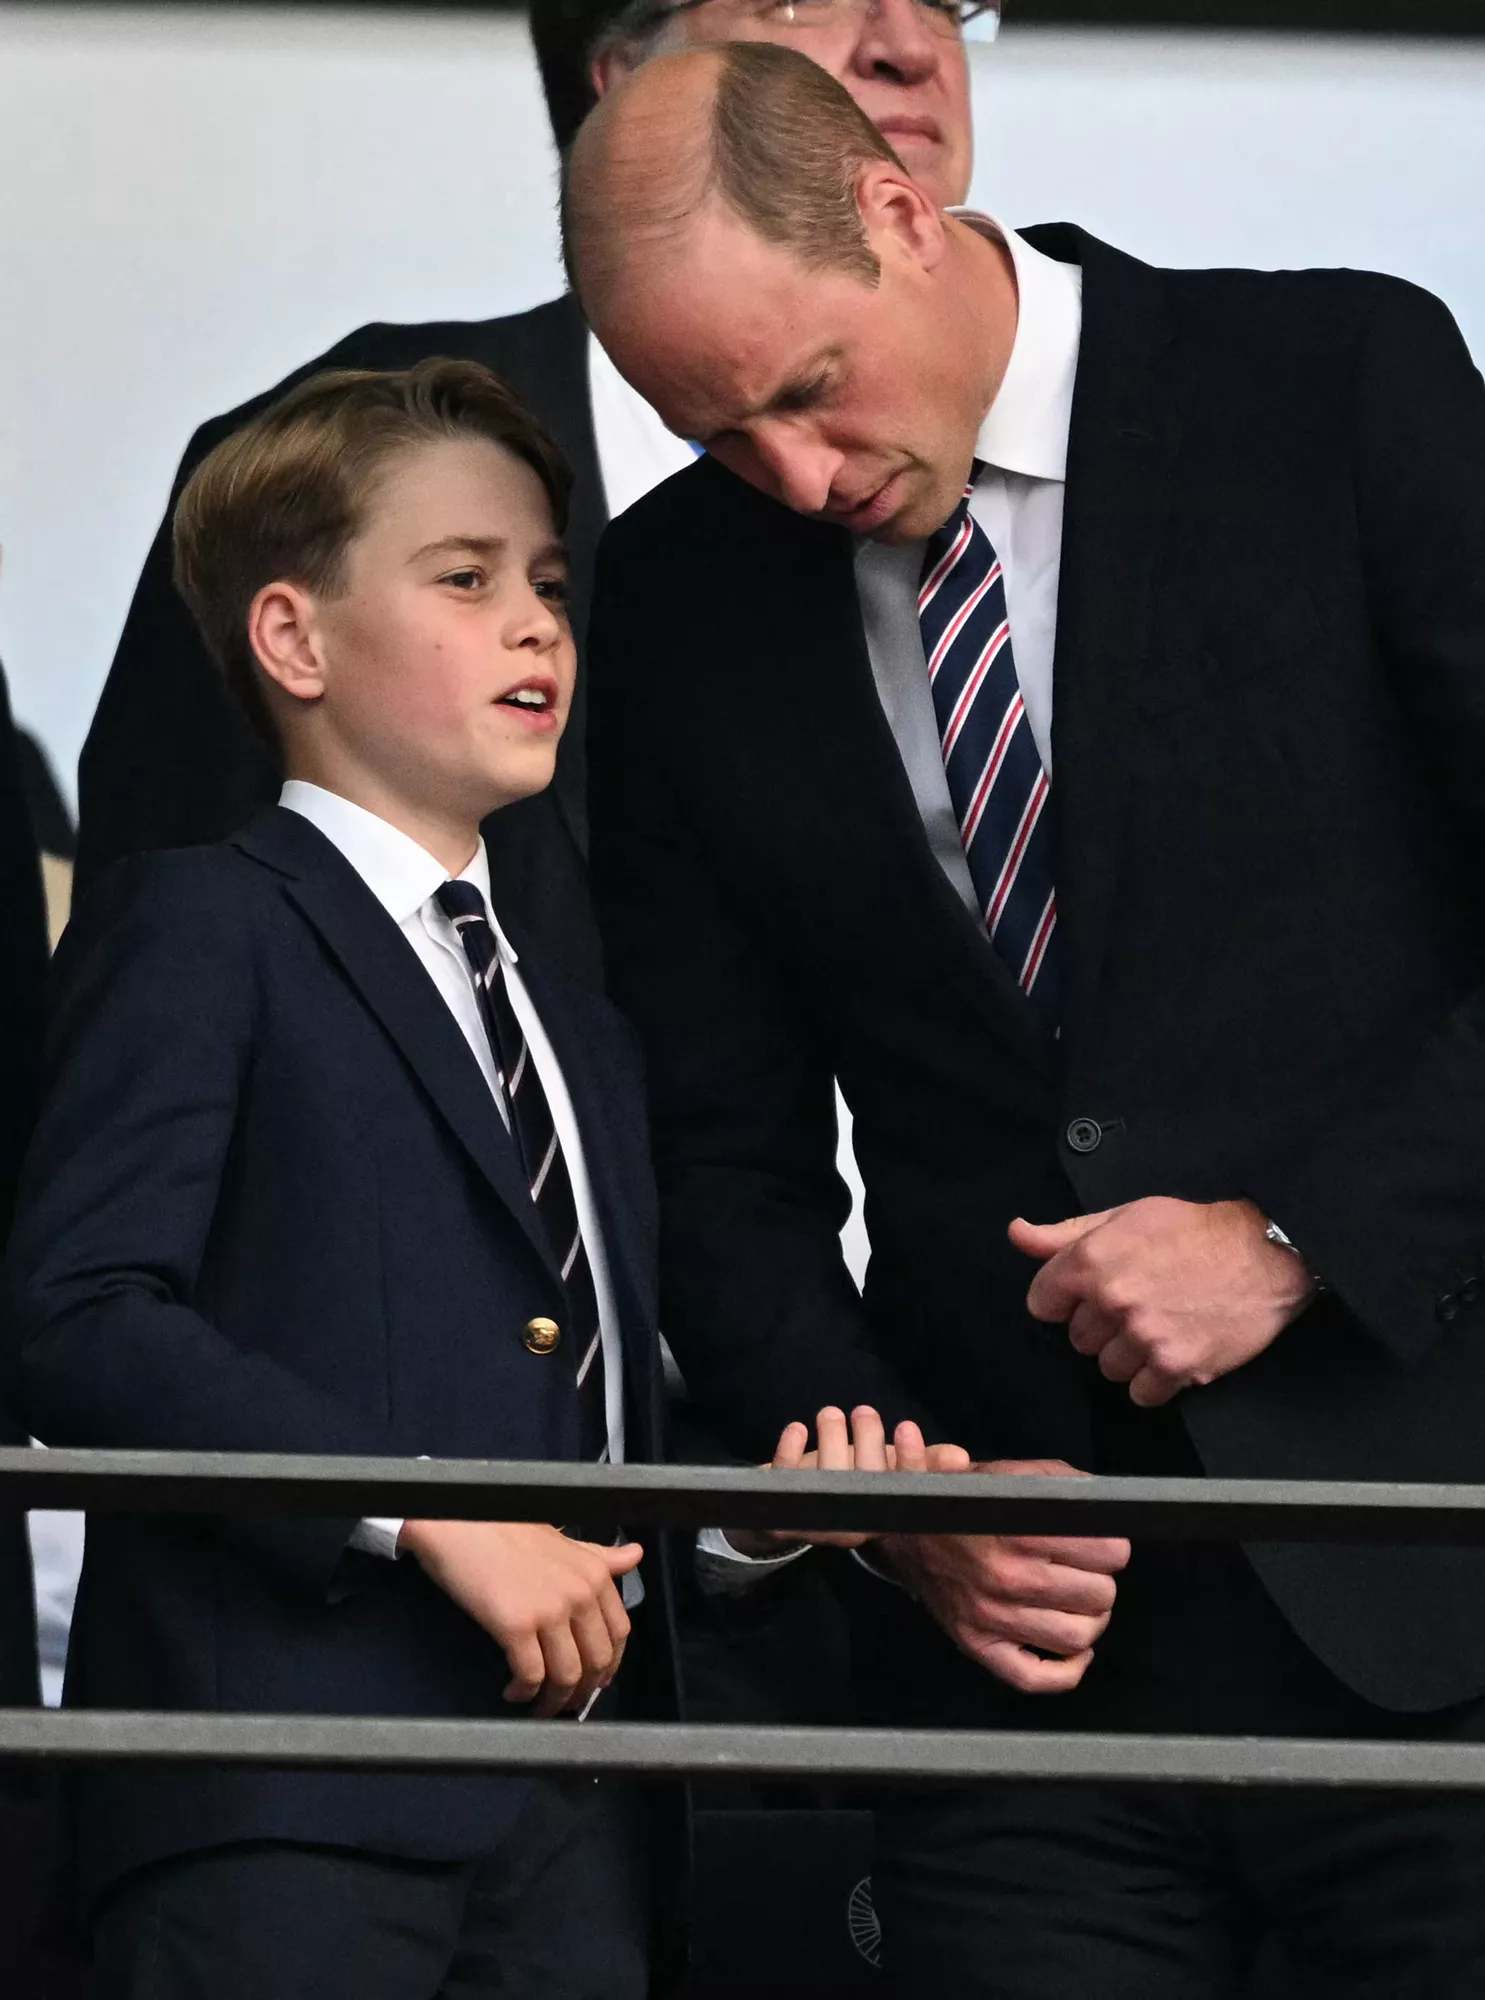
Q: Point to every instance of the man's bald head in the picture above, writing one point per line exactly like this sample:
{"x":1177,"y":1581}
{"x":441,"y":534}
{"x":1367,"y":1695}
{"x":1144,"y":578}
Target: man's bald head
{"x":759,"y":128}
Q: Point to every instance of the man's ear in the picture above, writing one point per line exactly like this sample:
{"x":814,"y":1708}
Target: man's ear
{"x":898,"y":216}
{"x":610,"y":67}
{"x":283,"y":632}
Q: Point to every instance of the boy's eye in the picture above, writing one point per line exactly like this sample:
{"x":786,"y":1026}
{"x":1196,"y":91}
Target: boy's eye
{"x":556,"y":589}
{"x":464,"y":579}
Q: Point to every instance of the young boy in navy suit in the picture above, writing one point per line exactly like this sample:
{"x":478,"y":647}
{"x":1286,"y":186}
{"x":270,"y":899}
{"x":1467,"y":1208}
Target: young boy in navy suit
{"x":328,"y":1164}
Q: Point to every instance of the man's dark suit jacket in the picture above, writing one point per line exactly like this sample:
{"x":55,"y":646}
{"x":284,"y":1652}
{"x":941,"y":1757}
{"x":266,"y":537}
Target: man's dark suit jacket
{"x":271,"y":1207}
{"x":1269,"y":799}
{"x":169,"y":760}
{"x":22,"y":977}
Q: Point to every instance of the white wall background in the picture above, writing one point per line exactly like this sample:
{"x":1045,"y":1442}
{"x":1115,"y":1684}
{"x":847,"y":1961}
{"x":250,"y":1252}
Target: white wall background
{"x":194,"y":200}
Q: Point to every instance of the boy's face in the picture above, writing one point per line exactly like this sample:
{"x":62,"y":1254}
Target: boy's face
{"x":446,"y":657}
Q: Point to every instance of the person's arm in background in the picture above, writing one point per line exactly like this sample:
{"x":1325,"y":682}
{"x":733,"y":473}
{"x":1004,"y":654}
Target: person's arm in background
{"x":168,"y":761}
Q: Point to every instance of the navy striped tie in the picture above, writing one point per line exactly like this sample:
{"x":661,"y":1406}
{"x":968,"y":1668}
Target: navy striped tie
{"x":540,"y":1149}
{"x":997,"y":786}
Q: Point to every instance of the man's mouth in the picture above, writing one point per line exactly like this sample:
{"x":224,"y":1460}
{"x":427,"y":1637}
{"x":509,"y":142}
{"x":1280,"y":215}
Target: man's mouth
{"x":911,"y":125}
{"x":861,"y":516}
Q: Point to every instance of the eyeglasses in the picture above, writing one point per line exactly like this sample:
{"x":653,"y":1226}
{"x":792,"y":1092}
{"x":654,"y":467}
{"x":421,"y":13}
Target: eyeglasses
{"x":947,"y":16}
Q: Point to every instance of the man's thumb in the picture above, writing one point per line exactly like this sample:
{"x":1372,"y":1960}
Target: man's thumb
{"x":623,"y":1558}
{"x":1045,"y":1239}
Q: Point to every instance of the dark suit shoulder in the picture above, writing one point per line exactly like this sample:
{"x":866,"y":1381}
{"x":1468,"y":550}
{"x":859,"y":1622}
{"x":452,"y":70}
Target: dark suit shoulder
{"x":1299,"y":309}
{"x":195,"y":907}
{"x":514,"y":343}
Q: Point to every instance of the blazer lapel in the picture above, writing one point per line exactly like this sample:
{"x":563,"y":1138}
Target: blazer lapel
{"x":1121,"y":451}
{"x":381,"y":965}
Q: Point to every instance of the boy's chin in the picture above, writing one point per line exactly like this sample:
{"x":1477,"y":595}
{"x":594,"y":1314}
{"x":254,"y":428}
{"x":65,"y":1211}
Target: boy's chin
{"x":522,"y":781}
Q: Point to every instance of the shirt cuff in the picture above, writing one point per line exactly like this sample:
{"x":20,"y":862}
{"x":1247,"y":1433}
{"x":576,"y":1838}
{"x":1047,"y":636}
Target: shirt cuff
{"x":722,"y":1570}
{"x":377,"y":1538}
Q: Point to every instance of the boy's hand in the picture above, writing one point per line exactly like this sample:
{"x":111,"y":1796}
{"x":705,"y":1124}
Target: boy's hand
{"x":860,"y":1446}
{"x":551,"y":1603}
{"x":1008,"y":1601}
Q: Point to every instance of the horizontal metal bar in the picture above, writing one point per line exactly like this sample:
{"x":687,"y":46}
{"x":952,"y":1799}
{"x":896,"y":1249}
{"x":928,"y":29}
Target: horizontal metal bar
{"x":640,"y":1749}
{"x":644,"y":1496}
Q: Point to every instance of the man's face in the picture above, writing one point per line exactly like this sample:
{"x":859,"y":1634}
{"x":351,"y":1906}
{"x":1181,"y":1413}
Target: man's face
{"x":903,"y":62}
{"x":835,"y":397}
{"x":448,"y":657}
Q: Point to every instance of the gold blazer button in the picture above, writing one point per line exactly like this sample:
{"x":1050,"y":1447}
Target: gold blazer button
{"x":542,"y":1336}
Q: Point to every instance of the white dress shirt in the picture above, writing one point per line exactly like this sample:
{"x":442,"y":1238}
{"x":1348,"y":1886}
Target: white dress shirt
{"x":1018,"y":501}
{"x":404,"y":878}
{"x":635,"y":450}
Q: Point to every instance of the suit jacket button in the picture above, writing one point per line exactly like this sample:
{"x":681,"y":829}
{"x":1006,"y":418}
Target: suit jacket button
{"x":542,"y":1336}
{"x":1085,"y":1135}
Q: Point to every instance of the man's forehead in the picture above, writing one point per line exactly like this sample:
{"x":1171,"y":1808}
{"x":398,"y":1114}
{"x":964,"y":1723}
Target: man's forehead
{"x":718,"y":325}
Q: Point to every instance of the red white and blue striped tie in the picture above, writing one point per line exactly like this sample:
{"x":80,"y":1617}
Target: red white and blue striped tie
{"x":997,"y":785}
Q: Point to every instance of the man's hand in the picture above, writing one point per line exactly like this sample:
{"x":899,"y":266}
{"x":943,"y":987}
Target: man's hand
{"x":860,"y":1446}
{"x":549,"y":1602}
{"x":1008,"y":1600}
{"x":1167,"y":1294}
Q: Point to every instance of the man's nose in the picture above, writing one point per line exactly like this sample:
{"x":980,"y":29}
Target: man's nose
{"x":897,"y":42}
{"x":803,"y":470}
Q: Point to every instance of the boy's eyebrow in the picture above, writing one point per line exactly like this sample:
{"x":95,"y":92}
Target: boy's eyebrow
{"x":489,"y":546}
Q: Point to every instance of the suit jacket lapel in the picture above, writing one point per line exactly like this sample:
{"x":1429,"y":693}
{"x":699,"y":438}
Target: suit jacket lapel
{"x":1121,"y":450}
{"x":382,"y":967}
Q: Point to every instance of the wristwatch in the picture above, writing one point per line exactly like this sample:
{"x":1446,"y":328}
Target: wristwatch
{"x":1276,"y":1235}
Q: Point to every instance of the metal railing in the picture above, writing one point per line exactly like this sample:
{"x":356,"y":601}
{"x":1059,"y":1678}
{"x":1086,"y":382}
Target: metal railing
{"x":231,"y":1484}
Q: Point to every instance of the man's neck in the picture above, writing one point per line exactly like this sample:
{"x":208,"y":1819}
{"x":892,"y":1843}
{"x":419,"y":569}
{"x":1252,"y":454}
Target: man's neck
{"x":991,"y":301}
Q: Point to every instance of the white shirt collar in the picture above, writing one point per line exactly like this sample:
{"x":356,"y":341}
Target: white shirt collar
{"x":1026,"y":427}
{"x":401,"y":875}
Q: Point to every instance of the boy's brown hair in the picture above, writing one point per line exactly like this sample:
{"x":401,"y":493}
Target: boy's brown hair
{"x":284,"y":497}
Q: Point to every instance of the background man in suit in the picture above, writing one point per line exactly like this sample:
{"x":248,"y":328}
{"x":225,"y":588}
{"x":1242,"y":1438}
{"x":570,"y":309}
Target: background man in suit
{"x":169,"y":762}
{"x":325,"y":1165}
{"x":1201,"y":549}
{"x":22,"y":972}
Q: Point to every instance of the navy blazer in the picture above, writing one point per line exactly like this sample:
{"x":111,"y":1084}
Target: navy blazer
{"x":271,"y":1207}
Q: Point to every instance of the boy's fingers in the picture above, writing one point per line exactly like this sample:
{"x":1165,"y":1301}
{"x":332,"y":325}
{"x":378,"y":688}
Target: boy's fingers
{"x":564,"y":1670}
{"x":834,"y":1440}
{"x":868,"y":1440}
{"x":527,"y":1668}
{"x":908,"y":1448}
{"x":948,"y":1458}
{"x":627,"y":1556}
{"x":793,"y":1443}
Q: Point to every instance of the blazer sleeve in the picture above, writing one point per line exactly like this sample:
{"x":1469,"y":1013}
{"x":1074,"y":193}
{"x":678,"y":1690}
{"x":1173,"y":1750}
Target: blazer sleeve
{"x":152,"y":1038}
{"x":1389,"y":1203}
{"x":756,"y":1300}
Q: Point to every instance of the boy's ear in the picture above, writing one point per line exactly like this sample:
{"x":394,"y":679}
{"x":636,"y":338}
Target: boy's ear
{"x":283,"y":633}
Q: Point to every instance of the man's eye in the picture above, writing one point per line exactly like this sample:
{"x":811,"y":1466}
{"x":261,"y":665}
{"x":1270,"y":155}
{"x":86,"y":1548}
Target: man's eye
{"x":803,"y":395}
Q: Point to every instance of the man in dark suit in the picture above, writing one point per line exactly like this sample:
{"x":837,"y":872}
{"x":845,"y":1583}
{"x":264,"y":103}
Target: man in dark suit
{"x":328,"y":1163}
{"x":169,"y":762}
{"x":22,"y":973}
{"x":1189,"y":1044}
